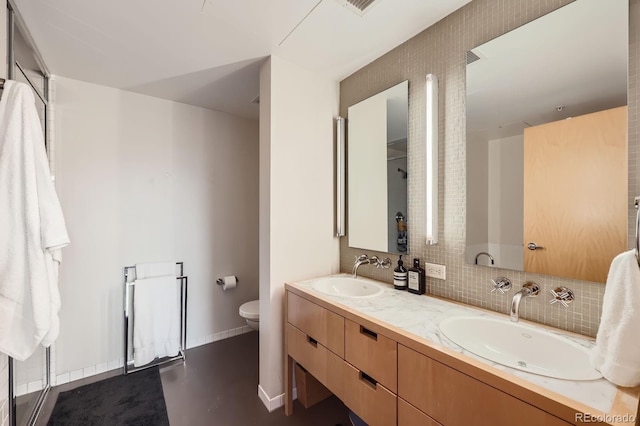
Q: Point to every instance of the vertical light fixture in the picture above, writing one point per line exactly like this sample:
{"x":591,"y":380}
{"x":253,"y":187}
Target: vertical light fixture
{"x":340,"y":132}
{"x":431,"y":91}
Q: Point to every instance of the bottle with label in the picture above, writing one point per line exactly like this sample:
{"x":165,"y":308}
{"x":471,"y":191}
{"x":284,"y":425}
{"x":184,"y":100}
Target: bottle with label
{"x":400,"y":276}
{"x":416,"y":283}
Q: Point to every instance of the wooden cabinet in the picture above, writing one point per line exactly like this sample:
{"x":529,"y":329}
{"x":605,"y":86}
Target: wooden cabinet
{"x":318,"y":339}
{"x":371,"y":352}
{"x":387,"y":378}
{"x":453,"y":398}
{"x":408,"y":415}
{"x":371,"y":401}
{"x":326,"y":327}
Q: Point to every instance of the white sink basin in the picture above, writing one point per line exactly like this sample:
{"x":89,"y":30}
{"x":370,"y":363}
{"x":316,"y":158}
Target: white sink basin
{"x":521,"y":346}
{"x":347,"y":287}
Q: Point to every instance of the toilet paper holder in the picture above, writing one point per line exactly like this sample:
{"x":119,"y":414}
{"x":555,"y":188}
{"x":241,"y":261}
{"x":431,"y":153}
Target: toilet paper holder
{"x":220,"y":281}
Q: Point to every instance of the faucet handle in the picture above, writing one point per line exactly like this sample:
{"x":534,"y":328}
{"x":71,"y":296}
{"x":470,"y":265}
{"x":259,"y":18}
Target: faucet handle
{"x":385,"y":264}
{"x":563,"y":295}
{"x":502,"y":284}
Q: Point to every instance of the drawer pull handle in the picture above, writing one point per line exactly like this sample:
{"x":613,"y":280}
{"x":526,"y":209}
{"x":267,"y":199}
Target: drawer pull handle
{"x":369,"y":333}
{"x":368,"y":380}
{"x":313,"y":341}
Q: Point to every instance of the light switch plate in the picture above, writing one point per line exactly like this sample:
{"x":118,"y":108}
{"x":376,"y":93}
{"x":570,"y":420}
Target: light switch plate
{"x":435,"y":270}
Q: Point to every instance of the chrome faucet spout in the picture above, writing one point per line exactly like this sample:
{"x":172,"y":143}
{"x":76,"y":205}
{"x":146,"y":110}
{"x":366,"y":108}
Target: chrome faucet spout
{"x":515,"y":305}
{"x":529,"y":289}
{"x":484,"y":253}
{"x":361,"y":260}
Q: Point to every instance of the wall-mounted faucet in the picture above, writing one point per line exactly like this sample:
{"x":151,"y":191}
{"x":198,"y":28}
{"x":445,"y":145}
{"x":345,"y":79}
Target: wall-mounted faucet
{"x":374,"y":260}
{"x":529,"y":289}
{"x":360,"y":260}
{"x":485,"y":254}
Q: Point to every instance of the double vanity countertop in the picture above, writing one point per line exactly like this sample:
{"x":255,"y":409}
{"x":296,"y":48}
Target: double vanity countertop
{"x":414,"y":320}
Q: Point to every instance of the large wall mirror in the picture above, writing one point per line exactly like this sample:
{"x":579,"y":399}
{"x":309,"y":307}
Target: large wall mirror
{"x":377,"y":171}
{"x":547,"y":143}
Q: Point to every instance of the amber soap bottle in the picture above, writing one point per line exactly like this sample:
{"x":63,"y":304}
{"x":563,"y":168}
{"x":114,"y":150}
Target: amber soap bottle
{"x":416,"y":280}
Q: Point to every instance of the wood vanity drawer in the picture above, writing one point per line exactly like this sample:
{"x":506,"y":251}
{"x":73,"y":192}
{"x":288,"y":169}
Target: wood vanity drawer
{"x":408,"y":415}
{"x":321,"y":363}
{"x":372,"y":353}
{"x":375,"y":404}
{"x":454,"y":398}
{"x":321,"y":324}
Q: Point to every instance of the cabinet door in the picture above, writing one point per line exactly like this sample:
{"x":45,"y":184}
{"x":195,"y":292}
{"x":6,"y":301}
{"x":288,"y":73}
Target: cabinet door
{"x":372,"y":353}
{"x":317,"y":322}
{"x":375,"y":404}
{"x":308,"y":353}
{"x":408,"y":415}
{"x":453,"y":398}
{"x":321,"y":363}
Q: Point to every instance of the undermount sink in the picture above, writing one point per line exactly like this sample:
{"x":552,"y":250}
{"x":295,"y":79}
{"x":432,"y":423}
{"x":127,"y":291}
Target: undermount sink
{"x":347,"y":287}
{"x":521,"y":346}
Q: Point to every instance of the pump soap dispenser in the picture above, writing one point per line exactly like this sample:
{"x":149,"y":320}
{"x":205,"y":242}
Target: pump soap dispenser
{"x":416,"y":278}
{"x":400,"y":276}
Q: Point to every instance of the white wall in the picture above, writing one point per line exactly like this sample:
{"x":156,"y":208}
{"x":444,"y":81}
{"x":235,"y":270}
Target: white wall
{"x":367,"y":174}
{"x":142,"y":179}
{"x":297,"y":111}
{"x":477,"y":181}
{"x":506,"y":190}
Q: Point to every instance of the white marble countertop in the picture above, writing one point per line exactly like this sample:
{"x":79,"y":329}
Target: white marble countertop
{"x":420,"y":315}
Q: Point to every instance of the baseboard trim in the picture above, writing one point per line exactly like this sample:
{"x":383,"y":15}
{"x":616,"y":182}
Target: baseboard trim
{"x":271,"y":403}
{"x":93,"y":370}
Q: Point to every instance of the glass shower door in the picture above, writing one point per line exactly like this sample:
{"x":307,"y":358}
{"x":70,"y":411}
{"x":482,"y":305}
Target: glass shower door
{"x":29,"y":379}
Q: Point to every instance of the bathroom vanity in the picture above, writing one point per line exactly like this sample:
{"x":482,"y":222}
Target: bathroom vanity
{"x":386,"y":359}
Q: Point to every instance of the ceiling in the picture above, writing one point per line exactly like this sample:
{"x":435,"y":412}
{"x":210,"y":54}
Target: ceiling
{"x":208,"y":53}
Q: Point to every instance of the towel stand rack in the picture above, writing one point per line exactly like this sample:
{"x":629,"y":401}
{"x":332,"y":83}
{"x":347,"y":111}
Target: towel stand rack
{"x":129,"y":285}
{"x":637,"y":247}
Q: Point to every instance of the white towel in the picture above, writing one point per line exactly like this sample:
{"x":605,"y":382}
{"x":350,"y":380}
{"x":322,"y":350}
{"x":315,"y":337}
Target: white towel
{"x":32,"y":229}
{"x":156,"y":321}
{"x":617,"y":351}
{"x":155,"y":269}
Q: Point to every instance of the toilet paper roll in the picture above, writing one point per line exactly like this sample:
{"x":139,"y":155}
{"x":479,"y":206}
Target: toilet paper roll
{"x":230,"y":281}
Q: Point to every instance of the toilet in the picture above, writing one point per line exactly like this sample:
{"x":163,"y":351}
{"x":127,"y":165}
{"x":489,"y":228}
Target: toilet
{"x":251,"y":312}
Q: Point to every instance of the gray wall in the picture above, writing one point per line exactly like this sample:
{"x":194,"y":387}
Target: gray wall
{"x":440,"y":50}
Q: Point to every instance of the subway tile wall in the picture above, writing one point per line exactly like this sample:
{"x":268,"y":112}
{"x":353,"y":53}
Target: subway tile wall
{"x":440,"y":50}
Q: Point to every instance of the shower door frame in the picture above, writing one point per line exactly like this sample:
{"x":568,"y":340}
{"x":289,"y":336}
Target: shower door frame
{"x":13,"y":65}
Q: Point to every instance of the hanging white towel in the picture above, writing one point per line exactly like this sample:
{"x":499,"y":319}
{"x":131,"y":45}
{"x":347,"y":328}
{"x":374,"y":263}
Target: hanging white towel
{"x":617,"y":352}
{"x":32,"y":229}
{"x":155,"y":269}
{"x":156,"y":323}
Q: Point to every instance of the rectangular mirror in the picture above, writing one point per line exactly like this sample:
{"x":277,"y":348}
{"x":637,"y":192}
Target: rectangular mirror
{"x":377,"y":171}
{"x":547,"y":143}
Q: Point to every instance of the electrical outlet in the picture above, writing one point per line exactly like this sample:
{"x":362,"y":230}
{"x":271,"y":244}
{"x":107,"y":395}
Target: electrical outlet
{"x":435,"y":270}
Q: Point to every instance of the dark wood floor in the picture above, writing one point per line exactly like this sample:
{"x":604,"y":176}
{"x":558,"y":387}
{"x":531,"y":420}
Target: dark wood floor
{"x":218,"y":385}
